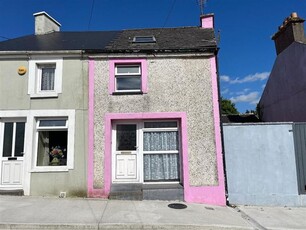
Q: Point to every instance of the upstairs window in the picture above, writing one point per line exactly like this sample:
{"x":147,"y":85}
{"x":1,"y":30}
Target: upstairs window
{"x":128,"y":76}
{"x":45,"y":78}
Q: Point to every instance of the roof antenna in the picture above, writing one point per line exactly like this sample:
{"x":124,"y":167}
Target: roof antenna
{"x":201,"y":4}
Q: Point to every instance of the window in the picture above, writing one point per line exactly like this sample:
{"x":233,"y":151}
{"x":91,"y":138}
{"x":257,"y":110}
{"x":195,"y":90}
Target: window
{"x":144,"y":39}
{"x":52,"y":142}
{"x":45,"y":78}
{"x":128,"y":76}
{"x":161,"y":151}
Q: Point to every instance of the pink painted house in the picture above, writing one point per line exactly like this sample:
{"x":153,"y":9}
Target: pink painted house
{"x":154,"y":126}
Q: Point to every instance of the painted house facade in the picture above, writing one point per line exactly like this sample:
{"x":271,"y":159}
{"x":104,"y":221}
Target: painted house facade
{"x":283,"y":98}
{"x":154,"y":114}
{"x":122,"y":109}
{"x":43,"y":112}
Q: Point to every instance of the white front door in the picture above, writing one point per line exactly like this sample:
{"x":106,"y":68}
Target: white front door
{"x":125,"y":152}
{"x":12,"y":135}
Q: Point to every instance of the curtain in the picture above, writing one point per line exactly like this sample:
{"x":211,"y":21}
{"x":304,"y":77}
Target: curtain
{"x":163,"y":166}
{"x":159,"y":141}
{"x":47,"y":79}
{"x":43,"y":149}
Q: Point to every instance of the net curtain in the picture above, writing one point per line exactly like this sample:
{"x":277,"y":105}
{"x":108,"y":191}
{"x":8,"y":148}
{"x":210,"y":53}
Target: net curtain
{"x":162,"y":166}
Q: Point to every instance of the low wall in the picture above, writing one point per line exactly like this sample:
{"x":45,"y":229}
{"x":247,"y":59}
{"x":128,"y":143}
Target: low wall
{"x":261,"y":164}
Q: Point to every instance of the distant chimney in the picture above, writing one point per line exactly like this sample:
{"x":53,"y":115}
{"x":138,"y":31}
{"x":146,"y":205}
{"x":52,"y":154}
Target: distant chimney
{"x":44,"y":23}
{"x":290,"y":31}
{"x":207,"y":21}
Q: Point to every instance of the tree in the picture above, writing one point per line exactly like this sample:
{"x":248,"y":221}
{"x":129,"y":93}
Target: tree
{"x":228,"y":107}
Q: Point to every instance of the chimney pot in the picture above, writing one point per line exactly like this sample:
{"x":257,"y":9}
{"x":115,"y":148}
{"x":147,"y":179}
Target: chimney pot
{"x":294,"y":15}
{"x":44,"y":23}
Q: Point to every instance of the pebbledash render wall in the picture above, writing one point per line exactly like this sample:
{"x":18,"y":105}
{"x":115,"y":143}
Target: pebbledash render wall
{"x":178,"y":87}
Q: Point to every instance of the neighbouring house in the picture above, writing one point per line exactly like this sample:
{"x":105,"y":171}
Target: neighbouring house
{"x":283,"y":98}
{"x":135,"y":113}
{"x":44,"y":110}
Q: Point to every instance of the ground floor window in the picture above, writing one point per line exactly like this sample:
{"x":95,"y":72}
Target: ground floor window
{"x":52,"y":139}
{"x":161,"y":151}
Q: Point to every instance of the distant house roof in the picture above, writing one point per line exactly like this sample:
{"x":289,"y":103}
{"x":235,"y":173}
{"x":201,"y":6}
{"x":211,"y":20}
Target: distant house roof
{"x":183,"y":39}
{"x":240,"y":118}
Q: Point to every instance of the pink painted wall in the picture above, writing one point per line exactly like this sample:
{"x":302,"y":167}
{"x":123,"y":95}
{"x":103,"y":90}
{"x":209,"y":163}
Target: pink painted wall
{"x":211,"y":194}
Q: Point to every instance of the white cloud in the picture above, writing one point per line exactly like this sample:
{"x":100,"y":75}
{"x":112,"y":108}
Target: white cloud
{"x":263,"y":86}
{"x":252,"y":98}
{"x":249,"y":78}
{"x":224,"y":91}
{"x":243,"y":91}
{"x":225,"y":78}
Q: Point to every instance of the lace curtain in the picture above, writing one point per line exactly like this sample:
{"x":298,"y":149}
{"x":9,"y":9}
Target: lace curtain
{"x":47,"y":78}
{"x":164,"y":166}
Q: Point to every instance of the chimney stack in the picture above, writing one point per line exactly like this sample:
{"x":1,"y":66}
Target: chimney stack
{"x":44,"y":23}
{"x":207,"y":21}
{"x":292,"y":30}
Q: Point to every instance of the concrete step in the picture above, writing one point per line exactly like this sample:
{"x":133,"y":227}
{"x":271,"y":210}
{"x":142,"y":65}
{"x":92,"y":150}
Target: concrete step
{"x":147,"y":192}
{"x":163,"y":192}
{"x":126,"y":192}
{"x":15,"y":192}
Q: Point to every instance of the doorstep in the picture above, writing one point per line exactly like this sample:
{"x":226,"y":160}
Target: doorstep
{"x":147,"y":192}
{"x":12,"y":192}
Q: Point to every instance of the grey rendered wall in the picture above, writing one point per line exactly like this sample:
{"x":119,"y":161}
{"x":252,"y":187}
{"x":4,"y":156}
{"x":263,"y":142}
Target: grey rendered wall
{"x":14,"y":89}
{"x":284,"y":96}
{"x":261,"y":165}
{"x":174,"y":85}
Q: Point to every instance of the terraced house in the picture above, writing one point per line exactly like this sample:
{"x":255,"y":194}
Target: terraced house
{"x":129,"y":114}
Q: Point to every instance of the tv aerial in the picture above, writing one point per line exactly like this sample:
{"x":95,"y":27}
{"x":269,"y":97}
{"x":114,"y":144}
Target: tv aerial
{"x":201,"y":4}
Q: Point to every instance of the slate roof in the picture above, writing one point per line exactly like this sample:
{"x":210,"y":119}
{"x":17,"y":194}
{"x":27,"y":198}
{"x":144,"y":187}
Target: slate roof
{"x":167,"y":40}
{"x":60,"y":41}
{"x":184,"y":39}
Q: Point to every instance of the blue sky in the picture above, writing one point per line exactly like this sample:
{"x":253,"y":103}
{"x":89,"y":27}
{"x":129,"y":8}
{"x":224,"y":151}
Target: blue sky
{"x":245,"y":28}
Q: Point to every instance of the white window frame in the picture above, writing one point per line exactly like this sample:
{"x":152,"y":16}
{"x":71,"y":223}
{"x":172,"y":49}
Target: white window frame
{"x":164,"y":129}
{"x":126,"y":75}
{"x":34,"y":85}
{"x":70,"y":127}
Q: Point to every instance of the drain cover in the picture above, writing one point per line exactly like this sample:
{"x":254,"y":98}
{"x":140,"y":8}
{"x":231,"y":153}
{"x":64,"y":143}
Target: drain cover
{"x":177,"y":206}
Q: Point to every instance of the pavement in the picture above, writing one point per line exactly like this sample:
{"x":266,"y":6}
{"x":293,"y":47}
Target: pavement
{"x":28,"y":212}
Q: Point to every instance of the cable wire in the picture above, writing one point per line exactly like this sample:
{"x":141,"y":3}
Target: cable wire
{"x":172,"y":6}
{"x":91,"y":12}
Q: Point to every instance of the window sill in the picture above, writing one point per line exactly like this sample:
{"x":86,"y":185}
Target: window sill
{"x":127,"y":93}
{"x":44,"y":95}
{"x":50,"y":169}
